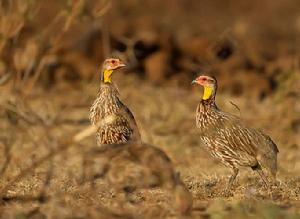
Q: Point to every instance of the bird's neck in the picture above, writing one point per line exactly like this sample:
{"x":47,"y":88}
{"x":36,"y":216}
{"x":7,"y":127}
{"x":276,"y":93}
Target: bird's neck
{"x":107,"y":90}
{"x":209,"y":95}
{"x":106,"y":76}
{"x":208,"y":92}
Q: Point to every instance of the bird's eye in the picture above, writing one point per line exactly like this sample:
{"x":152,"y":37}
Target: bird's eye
{"x":204,"y":79}
{"x":113,"y":61}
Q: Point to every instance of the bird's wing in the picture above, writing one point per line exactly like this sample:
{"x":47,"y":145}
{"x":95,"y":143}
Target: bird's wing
{"x":124,"y":111}
{"x":94,"y":115}
{"x":237,"y":139}
{"x":238,"y":146}
{"x":249,"y":141}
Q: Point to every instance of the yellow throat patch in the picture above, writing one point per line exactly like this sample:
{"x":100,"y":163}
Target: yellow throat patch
{"x":207,"y":93}
{"x":107,"y":76}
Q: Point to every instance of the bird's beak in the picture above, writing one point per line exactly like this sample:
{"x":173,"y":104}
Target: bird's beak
{"x":194,"y":82}
{"x":121,"y":64}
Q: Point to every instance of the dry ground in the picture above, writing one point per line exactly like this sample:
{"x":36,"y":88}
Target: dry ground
{"x":165,"y":116}
{"x":251,"y":46}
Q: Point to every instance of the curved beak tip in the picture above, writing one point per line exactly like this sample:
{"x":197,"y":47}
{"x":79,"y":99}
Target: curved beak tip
{"x":122,"y":64}
{"x":194,"y":82}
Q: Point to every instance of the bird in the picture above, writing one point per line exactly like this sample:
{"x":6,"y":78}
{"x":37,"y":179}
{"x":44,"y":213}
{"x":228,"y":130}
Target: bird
{"x":137,"y":165}
{"x":115,"y":122}
{"x":230,"y":140}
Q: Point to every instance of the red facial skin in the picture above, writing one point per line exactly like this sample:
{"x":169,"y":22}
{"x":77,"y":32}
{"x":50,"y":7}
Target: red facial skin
{"x":204,"y":81}
{"x":113,"y":64}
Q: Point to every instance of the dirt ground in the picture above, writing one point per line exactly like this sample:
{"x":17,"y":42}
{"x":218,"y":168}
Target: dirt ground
{"x":50,"y":77}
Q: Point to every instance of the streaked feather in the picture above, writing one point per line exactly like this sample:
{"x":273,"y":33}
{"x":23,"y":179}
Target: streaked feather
{"x":119,"y":126}
{"x":232,"y":142}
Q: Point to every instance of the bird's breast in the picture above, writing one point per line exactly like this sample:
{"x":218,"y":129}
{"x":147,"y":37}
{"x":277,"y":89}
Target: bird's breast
{"x":104,"y":106}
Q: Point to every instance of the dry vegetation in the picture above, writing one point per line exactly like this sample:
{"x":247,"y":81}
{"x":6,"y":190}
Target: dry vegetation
{"x":49,"y":69}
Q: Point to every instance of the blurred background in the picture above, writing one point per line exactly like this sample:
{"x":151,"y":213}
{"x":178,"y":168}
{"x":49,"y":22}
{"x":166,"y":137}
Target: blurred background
{"x":50,"y":63}
{"x":251,"y":46}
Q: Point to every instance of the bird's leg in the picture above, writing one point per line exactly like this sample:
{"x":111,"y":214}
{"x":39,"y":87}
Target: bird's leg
{"x":231,"y":180}
{"x":264,"y":178}
{"x":262,"y":175}
{"x":233,"y":177}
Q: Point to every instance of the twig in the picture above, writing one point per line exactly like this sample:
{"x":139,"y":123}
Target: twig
{"x":106,"y":37}
{"x":37,"y":74}
{"x":47,"y":182}
{"x":24,"y":198}
{"x":10,"y":107}
{"x":83,"y":121}
{"x":236,"y":106}
{"x":65,"y":144}
{"x":85,"y":133}
{"x":37,"y":163}
{"x":77,"y":8}
{"x":104,"y":10}
{"x":7,"y":156}
{"x":5,"y":78}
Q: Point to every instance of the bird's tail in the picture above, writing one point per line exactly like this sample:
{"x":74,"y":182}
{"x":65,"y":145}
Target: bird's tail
{"x":268,"y":160}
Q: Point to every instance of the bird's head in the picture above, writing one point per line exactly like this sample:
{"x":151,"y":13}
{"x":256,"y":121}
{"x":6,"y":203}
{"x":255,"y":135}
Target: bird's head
{"x":109,"y":66}
{"x":113,"y":64}
{"x":210,"y":85}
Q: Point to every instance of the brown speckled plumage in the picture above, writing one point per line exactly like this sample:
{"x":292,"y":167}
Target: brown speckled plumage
{"x":133,"y":166}
{"x":117,"y":123}
{"x":228,"y":139}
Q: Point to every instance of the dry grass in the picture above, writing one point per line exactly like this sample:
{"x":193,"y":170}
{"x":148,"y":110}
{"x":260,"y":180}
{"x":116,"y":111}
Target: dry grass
{"x":44,"y":47}
{"x":55,"y":187}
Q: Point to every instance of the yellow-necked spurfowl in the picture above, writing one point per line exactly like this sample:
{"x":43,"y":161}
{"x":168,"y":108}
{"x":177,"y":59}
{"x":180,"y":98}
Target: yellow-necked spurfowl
{"x":116,"y":122}
{"x":228,"y":139}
